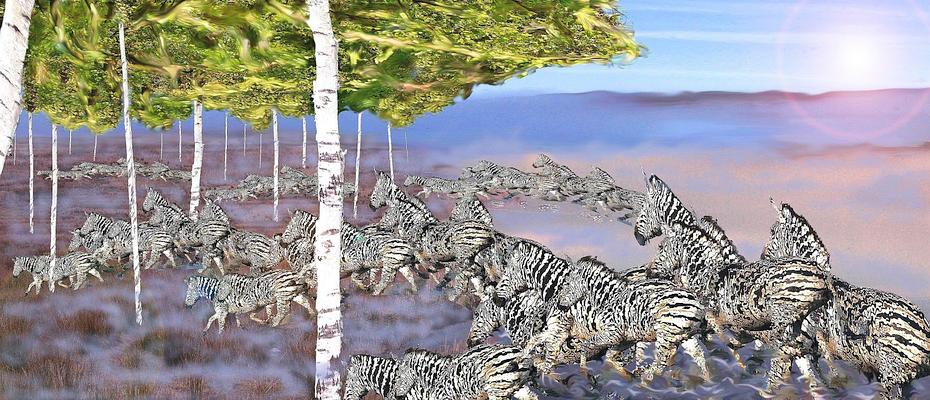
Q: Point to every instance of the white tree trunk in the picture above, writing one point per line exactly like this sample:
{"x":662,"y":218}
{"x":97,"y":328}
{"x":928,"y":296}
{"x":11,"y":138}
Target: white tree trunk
{"x":303,"y":162}
{"x":131,"y":173}
{"x":244,"y":139}
{"x":259,"y":151}
{"x":161,"y":146}
{"x":390,"y":151}
{"x":225,"y":142}
{"x":32,"y":174}
{"x":406,"y":149}
{"x":53,"y":215}
{"x":274,"y":132}
{"x":330,"y":173}
{"x":180,"y":139}
{"x":69,"y":141}
{"x":95,"y":147}
{"x":14,"y":147}
{"x":197,"y":165}
{"x":14,"y":38}
{"x":358,"y":163}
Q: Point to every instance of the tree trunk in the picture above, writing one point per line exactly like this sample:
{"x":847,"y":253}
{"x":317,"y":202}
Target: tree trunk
{"x":69,"y":141}
{"x":390,"y":151}
{"x":330,"y":166}
{"x":303,"y":163}
{"x":274,"y":133}
{"x":197,"y":165}
{"x":95,"y":147}
{"x":131,"y":173}
{"x":14,"y":147}
{"x":259,"y":151}
{"x":358,"y":163}
{"x":53,"y":215}
{"x":14,"y":39}
{"x":225,"y":142}
{"x":161,"y":146}
{"x":244,"y":138}
{"x":406,"y":149}
{"x":32,"y":174}
{"x":180,"y":139}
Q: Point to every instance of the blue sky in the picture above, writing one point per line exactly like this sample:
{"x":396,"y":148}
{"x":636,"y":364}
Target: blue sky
{"x":807,"y":46}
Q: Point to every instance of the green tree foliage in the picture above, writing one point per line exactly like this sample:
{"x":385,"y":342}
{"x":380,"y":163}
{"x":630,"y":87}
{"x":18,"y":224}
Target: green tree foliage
{"x":398,"y":59}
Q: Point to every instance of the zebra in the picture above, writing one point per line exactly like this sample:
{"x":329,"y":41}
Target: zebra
{"x":521,"y":317}
{"x":254,"y":249}
{"x":441,"y":241}
{"x":111,"y":238}
{"x":242,"y":293}
{"x":551,"y":168}
{"x":378,"y":250}
{"x":766,"y":300}
{"x":469,"y":207}
{"x":494,"y":372}
{"x":369,"y":373}
{"x":530,"y":265}
{"x":605,"y":312}
{"x":154,"y":199}
{"x":208,"y":235}
{"x":659,"y":208}
{"x":301,"y":225}
{"x":880,"y":333}
{"x":386,"y":193}
{"x":37,"y":266}
{"x":498,"y":176}
{"x":75,"y":266}
{"x":429,"y":185}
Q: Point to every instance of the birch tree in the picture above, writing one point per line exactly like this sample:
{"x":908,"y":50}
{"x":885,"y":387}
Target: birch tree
{"x":131,"y":176}
{"x":53,"y":212}
{"x":390,"y":151}
{"x":303,"y":147}
{"x":180,"y":140}
{"x":32,"y":175}
{"x":197,"y":165}
{"x":358,"y":163}
{"x":328,"y":246}
{"x":274,"y":130}
{"x":95,"y":147}
{"x":14,"y":40}
{"x":225,"y":142}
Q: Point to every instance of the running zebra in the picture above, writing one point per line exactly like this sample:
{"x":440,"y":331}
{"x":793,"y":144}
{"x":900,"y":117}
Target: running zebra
{"x":301,"y":225}
{"x":441,"y":241}
{"x":659,"y":209}
{"x":877,"y":332}
{"x":369,"y":374}
{"x":553,"y":169}
{"x":530,"y":265}
{"x":430,"y":185}
{"x":257,"y":251}
{"x":110,"y":238}
{"x":508,"y":178}
{"x":234,"y":293}
{"x":75,"y":266}
{"x":37,"y":266}
{"x":493,"y":372}
{"x":470,"y":208}
{"x":387,"y":193}
{"x":521,"y":317}
{"x":378,"y":251}
{"x":767,"y":300}
{"x":606,"y":313}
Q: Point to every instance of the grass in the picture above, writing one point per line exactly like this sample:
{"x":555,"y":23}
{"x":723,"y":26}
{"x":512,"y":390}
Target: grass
{"x":85,"y":322}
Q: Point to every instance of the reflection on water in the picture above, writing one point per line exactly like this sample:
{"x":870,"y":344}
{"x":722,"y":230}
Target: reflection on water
{"x":724,"y":157}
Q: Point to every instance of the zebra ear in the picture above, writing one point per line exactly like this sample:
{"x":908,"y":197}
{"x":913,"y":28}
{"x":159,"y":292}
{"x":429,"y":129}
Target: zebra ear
{"x":775,"y":206}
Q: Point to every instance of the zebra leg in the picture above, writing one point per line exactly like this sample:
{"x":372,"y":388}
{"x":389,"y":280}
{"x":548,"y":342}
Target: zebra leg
{"x":662,"y":358}
{"x":284,"y":309}
{"x":694,"y":348}
{"x":388,"y":272}
{"x":525,"y":394}
{"x":34,"y":283}
{"x":302,"y":300}
{"x":807,"y":366}
{"x":96,"y":274}
{"x":359,"y":277}
{"x":408,"y":275}
{"x":779,"y":372}
{"x":170,"y":256}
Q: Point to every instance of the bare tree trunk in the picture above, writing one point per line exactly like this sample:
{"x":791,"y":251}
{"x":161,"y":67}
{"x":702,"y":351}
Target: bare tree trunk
{"x":161,"y":146}
{"x":225,"y":142}
{"x":53,"y":215}
{"x":197,"y":165}
{"x":406,"y":149}
{"x":14,"y":39}
{"x":131,"y":173}
{"x":358,"y":163}
{"x":95,"y":147}
{"x":303,"y":123}
{"x":260,"y":151}
{"x":244,"y":138}
{"x":14,"y":147}
{"x":180,"y":140}
{"x":390,"y":151}
{"x":274,"y":132}
{"x":330,"y":173}
{"x":32,"y":174}
{"x":69,"y":141}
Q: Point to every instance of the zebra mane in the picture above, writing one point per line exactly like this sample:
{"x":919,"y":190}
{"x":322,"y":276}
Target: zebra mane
{"x":668,"y":202}
{"x":709,"y":225}
{"x":803,"y":240}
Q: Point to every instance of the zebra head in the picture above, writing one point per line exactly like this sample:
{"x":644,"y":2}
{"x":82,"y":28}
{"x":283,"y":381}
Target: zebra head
{"x":77,"y":240}
{"x":196,"y":288}
{"x":793,"y":236}
{"x":152,"y":199}
{"x":19,"y":265}
{"x":660,"y":208}
{"x":302,"y":224}
{"x":411,"y":180}
{"x":542,"y":160}
{"x":383,"y":192}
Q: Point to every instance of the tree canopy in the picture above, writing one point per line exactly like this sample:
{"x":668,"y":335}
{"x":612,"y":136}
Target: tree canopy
{"x":398,"y":59}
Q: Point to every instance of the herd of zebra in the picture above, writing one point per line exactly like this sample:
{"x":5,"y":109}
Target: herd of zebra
{"x":555,"y":311}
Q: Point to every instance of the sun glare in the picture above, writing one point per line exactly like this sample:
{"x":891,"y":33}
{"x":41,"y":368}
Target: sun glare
{"x":856,"y":60}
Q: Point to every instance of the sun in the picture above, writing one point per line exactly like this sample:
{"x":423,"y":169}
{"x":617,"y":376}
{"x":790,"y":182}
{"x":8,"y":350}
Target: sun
{"x":856,"y":60}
